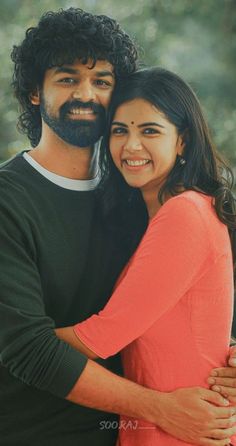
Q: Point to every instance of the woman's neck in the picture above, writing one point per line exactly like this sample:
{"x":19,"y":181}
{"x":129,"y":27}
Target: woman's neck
{"x":152,"y":202}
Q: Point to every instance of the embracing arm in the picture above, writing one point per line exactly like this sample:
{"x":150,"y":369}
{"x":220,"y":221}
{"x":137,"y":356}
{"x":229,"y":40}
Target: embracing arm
{"x":185,"y":413}
{"x":68,"y":335}
{"x":190,"y":414}
{"x":221,"y":380}
{"x":29,"y":348}
{"x":167,"y":264}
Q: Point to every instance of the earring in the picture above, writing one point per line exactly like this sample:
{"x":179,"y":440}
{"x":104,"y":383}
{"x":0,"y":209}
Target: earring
{"x":182,"y":161}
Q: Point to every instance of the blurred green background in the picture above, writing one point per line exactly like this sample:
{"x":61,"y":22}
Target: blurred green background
{"x":194,"y":38}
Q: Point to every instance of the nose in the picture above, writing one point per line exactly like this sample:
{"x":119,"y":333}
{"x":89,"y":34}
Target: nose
{"x":84,"y":92}
{"x":132,"y":144}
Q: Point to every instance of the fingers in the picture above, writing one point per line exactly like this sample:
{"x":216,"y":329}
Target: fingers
{"x":226,"y":392}
{"x":232,"y":361}
{"x":226,"y":422}
{"x":232,"y":356}
{"x":221,"y":434}
{"x":214,"y":397}
{"x":226,"y":382}
{"x":228,"y":372}
{"x":222,"y":413}
{"x":211,"y":442}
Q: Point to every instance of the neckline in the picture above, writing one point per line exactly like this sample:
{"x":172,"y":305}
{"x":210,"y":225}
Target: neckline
{"x":63,"y":182}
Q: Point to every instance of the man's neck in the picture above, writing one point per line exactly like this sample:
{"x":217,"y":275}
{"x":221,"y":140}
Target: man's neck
{"x":65,"y":160}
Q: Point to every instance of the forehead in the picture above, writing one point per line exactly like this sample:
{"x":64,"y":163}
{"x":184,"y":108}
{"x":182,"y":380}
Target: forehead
{"x":101,"y":68}
{"x":139,"y":110}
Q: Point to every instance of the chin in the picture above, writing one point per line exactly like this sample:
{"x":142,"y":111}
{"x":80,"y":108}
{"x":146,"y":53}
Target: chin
{"x":134,"y":184}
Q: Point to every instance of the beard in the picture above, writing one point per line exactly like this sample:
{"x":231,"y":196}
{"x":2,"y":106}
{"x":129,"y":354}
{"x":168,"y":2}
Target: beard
{"x":79,"y":133}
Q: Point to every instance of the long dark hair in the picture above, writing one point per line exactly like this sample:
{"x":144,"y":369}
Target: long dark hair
{"x":204,"y":170}
{"x":62,"y":37}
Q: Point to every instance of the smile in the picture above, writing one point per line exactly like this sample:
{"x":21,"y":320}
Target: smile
{"x":81,"y":111}
{"x":136,"y":162}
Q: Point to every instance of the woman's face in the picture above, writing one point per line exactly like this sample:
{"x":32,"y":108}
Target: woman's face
{"x":143,"y":144}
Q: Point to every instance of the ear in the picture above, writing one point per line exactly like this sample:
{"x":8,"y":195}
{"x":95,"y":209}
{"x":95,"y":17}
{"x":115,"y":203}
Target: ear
{"x":34,"y":97}
{"x":181,"y":142}
{"x":180,"y":145}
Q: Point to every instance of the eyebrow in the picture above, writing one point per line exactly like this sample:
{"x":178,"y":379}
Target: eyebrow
{"x":70,"y":70}
{"x":145,"y":124}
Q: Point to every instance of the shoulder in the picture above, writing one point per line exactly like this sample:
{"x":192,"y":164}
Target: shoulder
{"x":13,"y":183}
{"x":193,"y":215}
{"x":10,"y":186}
{"x":189,"y":212}
{"x":188,"y":204}
{"x":192,"y":198}
{"x":185,"y":204}
{"x":14,"y":171}
{"x":12,"y":164}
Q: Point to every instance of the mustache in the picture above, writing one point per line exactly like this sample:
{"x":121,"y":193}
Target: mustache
{"x":68,"y":106}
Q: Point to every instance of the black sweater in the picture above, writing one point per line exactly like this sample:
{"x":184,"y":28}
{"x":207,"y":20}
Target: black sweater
{"x":57,"y":266}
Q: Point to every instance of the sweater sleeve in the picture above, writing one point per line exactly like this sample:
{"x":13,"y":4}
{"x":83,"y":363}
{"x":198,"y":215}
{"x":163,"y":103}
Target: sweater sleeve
{"x":172,"y":256}
{"x":29,"y":348}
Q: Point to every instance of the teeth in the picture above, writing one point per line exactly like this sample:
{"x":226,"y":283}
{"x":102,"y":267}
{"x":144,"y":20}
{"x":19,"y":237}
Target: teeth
{"x":81,"y":111}
{"x":137,"y":162}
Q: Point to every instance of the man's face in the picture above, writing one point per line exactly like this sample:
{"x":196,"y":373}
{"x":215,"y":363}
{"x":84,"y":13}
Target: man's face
{"x":74,"y":100}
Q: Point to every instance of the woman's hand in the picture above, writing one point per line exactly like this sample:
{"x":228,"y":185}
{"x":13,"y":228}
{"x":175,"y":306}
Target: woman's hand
{"x":223,"y":380}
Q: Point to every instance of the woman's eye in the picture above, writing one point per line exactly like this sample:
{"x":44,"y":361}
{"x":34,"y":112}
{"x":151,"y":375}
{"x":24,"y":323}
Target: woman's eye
{"x":151,"y":131}
{"x":118,"y":131}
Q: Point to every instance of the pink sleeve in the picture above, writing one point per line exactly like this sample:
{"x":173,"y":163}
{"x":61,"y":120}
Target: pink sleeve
{"x":171,"y":257}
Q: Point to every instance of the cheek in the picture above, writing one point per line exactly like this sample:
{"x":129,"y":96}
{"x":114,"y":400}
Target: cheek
{"x":115,"y":152}
{"x":166,"y":154}
{"x":105,"y":99}
{"x":52,"y":103}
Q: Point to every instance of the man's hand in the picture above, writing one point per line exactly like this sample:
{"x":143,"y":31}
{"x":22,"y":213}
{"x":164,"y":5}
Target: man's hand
{"x":223,"y":380}
{"x":194,"y":415}
{"x":189,"y":415}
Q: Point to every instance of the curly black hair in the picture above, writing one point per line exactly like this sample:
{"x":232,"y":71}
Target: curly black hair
{"x":62,"y":37}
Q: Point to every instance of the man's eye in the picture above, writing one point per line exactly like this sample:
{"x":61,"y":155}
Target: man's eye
{"x":102,"y":83}
{"x":67,"y":80}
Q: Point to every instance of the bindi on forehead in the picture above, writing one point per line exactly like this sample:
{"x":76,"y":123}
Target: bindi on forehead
{"x":132,"y":122}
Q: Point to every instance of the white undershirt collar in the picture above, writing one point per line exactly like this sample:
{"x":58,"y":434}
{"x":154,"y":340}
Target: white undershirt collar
{"x":66,"y":183}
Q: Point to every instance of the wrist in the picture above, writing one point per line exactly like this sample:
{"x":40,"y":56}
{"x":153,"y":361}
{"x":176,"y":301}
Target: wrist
{"x":154,"y":409}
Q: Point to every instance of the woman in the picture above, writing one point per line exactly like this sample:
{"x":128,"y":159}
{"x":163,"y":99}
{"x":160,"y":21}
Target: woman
{"x":173,"y":303}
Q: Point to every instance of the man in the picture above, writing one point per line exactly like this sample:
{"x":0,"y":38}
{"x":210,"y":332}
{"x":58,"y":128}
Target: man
{"x":58,"y":260}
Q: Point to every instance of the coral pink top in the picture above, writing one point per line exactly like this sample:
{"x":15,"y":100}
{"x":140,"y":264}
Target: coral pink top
{"x":171,"y":311}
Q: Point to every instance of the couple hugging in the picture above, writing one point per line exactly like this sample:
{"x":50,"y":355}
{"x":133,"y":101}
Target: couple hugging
{"x":125,"y":244}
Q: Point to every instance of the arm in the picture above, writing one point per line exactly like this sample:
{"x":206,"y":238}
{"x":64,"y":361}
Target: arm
{"x":185,"y":413}
{"x":68,"y":335}
{"x":222,"y":380}
{"x":114,"y":320}
{"x":29,"y":348}
{"x":177,"y":242}
{"x":188,"y":414}
{"x":177,"y":412}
